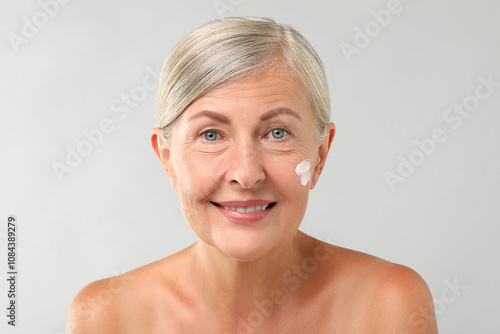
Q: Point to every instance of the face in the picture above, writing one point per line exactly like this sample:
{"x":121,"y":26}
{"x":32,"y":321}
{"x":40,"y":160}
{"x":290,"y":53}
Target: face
{"x":233,"y":156}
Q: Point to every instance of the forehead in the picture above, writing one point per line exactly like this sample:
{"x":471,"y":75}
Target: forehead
{"x":259,"y":91}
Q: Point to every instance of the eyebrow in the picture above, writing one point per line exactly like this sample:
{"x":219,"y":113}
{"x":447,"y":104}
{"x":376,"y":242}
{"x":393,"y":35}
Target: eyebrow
{"x":267,"y":115}
{"x":279,"y":111}
{"x":211,"y":114}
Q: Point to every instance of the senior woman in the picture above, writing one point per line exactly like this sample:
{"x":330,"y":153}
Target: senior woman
{"x":243,"y":135}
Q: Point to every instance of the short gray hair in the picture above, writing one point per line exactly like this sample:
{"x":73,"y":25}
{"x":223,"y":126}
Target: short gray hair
{"x":230,"y":49}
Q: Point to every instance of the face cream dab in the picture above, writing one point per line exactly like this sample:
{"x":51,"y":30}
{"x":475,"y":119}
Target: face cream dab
{"x":302,"y":170}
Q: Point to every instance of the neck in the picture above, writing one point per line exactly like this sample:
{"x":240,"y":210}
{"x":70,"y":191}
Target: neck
{"x":236,"y":287}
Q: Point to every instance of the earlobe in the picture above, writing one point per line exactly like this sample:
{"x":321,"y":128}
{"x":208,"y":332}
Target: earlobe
{"x":323,"y":149}
{"x":163,"y":154}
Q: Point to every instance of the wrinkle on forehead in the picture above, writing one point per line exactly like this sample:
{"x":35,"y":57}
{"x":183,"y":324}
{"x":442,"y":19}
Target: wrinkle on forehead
{"x":262,"y":92}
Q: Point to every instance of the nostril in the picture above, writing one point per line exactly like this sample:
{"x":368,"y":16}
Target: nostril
{"x":244,"y":166}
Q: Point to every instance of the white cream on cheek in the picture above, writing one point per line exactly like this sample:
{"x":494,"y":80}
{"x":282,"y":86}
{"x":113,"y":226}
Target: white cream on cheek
{"x":303,"y":171}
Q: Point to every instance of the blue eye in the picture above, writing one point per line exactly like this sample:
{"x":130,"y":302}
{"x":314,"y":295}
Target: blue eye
{"x":278,"y":133}
{"x":210,"y":135}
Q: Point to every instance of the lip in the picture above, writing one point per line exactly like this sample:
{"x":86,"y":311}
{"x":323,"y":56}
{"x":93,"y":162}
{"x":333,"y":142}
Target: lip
{"x":245,"y":204}
{"x":248,"y":218}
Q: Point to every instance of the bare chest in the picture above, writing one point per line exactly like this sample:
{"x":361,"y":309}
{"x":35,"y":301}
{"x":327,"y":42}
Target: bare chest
{"x":319,"y":317}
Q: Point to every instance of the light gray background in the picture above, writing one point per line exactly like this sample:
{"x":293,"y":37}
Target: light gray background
{"x":116,"y":210}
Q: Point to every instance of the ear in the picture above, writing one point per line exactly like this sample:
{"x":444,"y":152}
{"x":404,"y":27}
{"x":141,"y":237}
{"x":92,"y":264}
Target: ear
{"x":323,"y":149}
{"x":164,"y":154}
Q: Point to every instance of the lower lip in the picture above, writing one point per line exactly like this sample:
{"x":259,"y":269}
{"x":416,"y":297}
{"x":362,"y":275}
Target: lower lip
{"x":249,"y":218}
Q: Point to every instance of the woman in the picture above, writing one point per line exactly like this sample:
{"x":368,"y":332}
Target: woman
{"x":243,"y":135}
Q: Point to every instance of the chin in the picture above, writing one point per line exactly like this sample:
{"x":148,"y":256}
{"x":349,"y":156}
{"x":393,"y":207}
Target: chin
{"x":244,"y":248}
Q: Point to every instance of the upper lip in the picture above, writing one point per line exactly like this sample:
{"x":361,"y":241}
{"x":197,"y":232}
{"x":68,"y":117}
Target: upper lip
{"x":244,"y":204}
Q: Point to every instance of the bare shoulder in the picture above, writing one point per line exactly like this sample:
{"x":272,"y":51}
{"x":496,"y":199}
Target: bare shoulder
{"x":121,"y":304}
{"x":99,"y":307}
{"x":84,"y":315}
{"x":391,"y":298}
{"x":402,"y":301}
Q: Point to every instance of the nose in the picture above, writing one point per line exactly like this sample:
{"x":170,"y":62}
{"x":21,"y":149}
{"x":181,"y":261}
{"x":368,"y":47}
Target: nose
{"x":245,"y":165}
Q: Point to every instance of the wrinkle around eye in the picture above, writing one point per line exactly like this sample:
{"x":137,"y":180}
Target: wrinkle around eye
{"x":289,"y":146}
{"x":204,"y":146}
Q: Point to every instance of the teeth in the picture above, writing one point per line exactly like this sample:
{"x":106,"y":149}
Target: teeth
{"x":248,"y":209}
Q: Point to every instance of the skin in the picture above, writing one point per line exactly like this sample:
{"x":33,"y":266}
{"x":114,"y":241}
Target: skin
{"x":263,"y":275}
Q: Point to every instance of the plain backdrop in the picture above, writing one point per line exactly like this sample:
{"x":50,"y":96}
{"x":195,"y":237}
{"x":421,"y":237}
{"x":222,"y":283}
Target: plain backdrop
{"x":68,"y":68}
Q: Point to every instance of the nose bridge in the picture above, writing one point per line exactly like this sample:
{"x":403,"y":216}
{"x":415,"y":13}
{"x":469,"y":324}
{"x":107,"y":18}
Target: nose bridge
{"x":245,"y":165}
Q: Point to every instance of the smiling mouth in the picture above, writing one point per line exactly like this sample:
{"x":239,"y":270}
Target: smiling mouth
{"x":248,"y":209}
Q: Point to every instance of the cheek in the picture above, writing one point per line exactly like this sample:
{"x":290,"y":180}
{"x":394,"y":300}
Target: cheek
{"x":303,"y":171}
{"x":282,"y":174}
{"x":198,"y":174}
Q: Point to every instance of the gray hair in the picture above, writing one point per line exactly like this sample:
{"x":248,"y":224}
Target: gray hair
{"x":230,"y":49}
